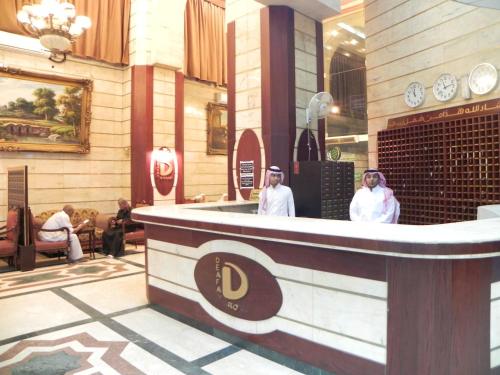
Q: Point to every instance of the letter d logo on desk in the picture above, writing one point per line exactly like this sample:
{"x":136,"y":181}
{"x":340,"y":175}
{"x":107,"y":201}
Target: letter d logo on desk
{"x":238,"y":285}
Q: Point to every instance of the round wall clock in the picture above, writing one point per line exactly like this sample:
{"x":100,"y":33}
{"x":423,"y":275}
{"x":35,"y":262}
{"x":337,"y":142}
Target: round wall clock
{"x":414,"y":94}
{"x":445,"y":87}
{"x":483,"y":78}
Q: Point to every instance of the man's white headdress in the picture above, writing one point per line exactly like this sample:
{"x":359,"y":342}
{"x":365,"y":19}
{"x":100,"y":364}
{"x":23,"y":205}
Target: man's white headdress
{"x":273,"y":170}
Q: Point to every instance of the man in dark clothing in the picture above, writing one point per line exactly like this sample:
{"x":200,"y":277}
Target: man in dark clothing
{"x":112,"y":238}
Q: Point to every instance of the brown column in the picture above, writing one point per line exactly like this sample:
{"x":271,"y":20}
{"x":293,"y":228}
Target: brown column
{"x":141,"y":134}
{"x":278,"y":85}
{"x":179,"y":135}
{"x":231,"y":106}
{"x":439,"y":317}
{"x":321,"y":85}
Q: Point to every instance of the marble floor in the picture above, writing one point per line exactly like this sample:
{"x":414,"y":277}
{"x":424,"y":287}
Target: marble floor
{"x":94,"y":318}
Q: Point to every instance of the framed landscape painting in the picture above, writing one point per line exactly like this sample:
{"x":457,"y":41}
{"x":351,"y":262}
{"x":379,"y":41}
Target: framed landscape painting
{"x":217,"y":129}
{"x":43,"y":112}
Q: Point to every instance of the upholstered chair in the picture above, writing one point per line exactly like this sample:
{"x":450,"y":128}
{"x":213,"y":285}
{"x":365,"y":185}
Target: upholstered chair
{"x":9,"y":235}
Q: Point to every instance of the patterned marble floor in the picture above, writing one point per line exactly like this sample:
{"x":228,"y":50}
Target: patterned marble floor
{"x":94,"y":318}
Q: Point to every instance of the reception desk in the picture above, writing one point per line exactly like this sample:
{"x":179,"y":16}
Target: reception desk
{"x":351,"y":298}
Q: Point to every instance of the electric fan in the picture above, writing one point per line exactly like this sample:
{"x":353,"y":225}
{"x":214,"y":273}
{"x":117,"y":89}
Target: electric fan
{"x":318,"y":108}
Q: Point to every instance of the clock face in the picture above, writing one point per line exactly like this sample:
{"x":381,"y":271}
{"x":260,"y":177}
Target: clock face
{"x":483,"y":78}
{"x":414,"y":94}
{"x":445,"y":87}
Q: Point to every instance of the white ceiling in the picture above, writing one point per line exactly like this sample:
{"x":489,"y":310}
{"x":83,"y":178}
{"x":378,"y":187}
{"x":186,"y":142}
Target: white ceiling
{"x":316,"y":9}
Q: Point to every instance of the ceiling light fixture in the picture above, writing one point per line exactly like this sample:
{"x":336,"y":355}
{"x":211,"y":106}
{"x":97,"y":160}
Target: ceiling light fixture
{"x":56,"y":24}
{"x":351,"y":29}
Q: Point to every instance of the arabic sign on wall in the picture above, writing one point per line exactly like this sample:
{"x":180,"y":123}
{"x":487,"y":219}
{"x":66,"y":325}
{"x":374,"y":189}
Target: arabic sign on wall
{"x":485,"y":107}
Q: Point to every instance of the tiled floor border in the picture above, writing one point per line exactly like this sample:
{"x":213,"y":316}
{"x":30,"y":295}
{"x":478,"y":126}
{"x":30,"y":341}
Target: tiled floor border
{"x":235,"y":343}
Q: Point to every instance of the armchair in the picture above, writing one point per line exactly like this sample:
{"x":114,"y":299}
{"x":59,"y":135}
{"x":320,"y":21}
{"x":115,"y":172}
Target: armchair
{"x":9,"y":236}
{"x":88,"y":237}
{"x":50,"y":247}
{"x":137,"y":235}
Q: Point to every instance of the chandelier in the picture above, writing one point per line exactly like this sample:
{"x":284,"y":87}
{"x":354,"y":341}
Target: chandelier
{"x":56,"y":24}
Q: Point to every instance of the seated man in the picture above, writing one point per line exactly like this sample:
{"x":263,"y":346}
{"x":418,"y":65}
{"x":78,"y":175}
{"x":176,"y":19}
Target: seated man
{"x":112,"y":238}
{"x":374,"y":202}
{"x":276,"y":199}
{"x":59,"y":220}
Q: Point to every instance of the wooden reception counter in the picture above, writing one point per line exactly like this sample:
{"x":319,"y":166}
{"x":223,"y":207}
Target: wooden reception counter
{"x":351,"y":298}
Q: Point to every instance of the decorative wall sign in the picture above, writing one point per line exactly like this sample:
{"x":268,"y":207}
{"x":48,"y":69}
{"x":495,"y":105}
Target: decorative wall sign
{"x":248,"y":148}
{"x":481,"y":108}
{"x":238,"y":286}
{"x":43,"y":112}
{"x":246,"y":174}
{"x":163,"y":170}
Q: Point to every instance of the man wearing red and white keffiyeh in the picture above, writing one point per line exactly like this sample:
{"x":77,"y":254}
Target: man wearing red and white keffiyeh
{"x":275,"y":198}
{"x":374,"y":202}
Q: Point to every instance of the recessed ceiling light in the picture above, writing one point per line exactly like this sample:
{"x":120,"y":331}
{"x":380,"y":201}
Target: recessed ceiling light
{"x":354,"y":41}
{"x":347,"y":54}
{"x":334,"y":33}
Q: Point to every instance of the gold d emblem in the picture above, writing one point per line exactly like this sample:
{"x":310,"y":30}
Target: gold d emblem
{"x":227,"y":287}
{"x":165,"y":169}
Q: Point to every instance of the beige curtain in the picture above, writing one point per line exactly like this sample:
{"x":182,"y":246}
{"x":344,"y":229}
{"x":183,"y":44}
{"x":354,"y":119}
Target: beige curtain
{"x":106,"y":40}
{"x":8,"y":12}
{"x":205,"y":42}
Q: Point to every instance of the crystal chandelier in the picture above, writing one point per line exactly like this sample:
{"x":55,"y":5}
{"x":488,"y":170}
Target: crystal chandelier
{"x":56,"y":25}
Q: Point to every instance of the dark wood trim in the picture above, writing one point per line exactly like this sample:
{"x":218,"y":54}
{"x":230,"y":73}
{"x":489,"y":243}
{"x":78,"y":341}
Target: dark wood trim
{"x":495,"y":272}
{"x":402,"y":248}
{"x":439,"y":316}
{"x":293,"y":346}
{"x":341,"y":262}
{"x":231,"y":107}
{"x":179,"y":135}
{"x":141,"y":134}
{"x":321,"y":86}
{"x":278,"y":85}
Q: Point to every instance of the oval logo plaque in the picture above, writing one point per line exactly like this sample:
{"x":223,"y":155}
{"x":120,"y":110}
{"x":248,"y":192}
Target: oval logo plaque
{"x":164,"y":173}
{"x":238,"y":285}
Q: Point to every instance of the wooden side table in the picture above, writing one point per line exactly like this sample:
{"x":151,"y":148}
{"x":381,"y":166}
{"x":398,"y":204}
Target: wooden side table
{"x":90,"y":240}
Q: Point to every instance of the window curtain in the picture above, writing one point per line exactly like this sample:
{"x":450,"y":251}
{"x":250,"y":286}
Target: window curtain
{"x":205,"y":41}
{"x":348,"y":84}
{"x":107,"y":38}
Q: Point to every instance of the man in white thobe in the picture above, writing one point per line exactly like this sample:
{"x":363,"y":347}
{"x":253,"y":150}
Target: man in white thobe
{"x":275,"y":198}
{"x":374,"y":202}
{"x":61,"y":220}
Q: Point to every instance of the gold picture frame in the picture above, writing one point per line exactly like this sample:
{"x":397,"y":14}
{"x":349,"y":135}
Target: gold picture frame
{"x":45,"y":113}
{"x":217,"y":129}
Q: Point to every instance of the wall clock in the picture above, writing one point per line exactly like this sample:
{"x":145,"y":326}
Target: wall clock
{"x":483,"y":78}
{"x":414,"y":94}
{"x":445,"y":87}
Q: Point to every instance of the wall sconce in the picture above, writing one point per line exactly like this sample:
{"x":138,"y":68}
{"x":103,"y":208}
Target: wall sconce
{"x":163,"y":170}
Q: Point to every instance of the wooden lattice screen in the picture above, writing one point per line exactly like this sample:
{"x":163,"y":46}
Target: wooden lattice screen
{"x":443,"y":164}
